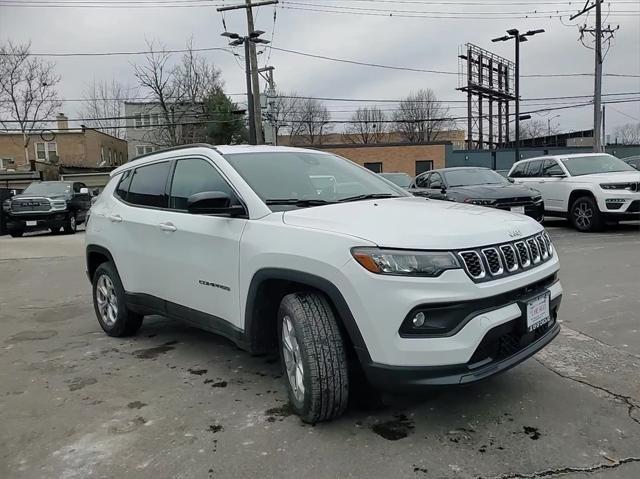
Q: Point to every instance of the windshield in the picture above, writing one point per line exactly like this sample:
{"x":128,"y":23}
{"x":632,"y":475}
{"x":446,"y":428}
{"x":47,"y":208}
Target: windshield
{"x":589,"y":165}
{"x":401,"y":179}
{"x":47,"y":189}
{"x":309,"y":177}
{"x":472,"y":177}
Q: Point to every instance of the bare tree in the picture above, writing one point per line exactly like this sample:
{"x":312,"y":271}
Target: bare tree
{"x":285,"y":112}
{"x":628,"y":134}
{"x":178,"y":92}
{"x":535,"y":129}
{"x":28,"y":95}
{"x":421,"y":117}
{"x":312,"y":118}
{"x":367,"y":126}
{"x":103,"y":107}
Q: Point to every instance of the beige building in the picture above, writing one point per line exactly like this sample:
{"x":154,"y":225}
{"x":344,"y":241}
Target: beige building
{"x":85,"y":147}
{"x":394,"y":157}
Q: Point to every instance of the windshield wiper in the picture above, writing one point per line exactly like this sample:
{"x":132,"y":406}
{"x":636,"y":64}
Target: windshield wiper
{"x":373,"y":196}
{"x":298,"y":202}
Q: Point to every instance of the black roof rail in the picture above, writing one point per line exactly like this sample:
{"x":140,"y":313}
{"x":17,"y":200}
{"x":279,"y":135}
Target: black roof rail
{"x":175,"y":148}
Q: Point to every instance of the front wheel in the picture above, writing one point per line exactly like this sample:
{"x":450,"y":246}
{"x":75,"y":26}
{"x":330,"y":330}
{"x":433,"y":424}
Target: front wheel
{"x":313,"y":355}
{"x":585,"y":215}
{"x":71,"y":224}
{"x":16,"y":233}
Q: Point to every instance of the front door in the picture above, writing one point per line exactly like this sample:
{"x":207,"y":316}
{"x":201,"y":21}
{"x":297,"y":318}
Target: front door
{"x":202,"y":252}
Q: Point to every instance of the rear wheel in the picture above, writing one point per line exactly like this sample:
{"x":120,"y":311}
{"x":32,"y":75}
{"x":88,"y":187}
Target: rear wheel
{"x":70,"y":225}
{"x":313,"y":355}
{"x":16,"y":233}
{"x":585,"y":215}
{"x":109,"y":303}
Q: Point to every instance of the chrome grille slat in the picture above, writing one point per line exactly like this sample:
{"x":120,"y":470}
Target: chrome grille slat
{"x":486,"y":263}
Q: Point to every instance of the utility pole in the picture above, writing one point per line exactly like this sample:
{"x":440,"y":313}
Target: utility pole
{"x":271,"y":126}
{"x":515,"y":34}
{"x":253,"y":57}
{"x":255,"y":123}
{"x":604,"y":126}
{"x":598,"y":33}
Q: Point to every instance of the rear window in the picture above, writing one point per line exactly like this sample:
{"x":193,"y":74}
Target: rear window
{"x":148,"y":185}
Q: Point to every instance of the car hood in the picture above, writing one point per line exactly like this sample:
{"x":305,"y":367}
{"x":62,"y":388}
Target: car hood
{"x":416,"y":223}
{"x":617,"y":177}
{"x":493,"y":191}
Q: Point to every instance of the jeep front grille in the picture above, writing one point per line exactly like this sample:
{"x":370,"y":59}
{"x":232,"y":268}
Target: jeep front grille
{"x":485,"y":264}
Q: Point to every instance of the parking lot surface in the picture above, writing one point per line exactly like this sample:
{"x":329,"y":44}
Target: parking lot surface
{"x":178,"y":402}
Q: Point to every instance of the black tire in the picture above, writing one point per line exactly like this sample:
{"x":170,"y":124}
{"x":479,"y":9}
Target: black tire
{"x":70,"y":224}
{"x":585,"y":215}
{"x":16,"y":233}
{"x":126,"y":322}
{"x":56,"y":230}
{"x":321,"y":353}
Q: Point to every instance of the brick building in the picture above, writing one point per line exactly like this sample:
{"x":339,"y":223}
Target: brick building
{"x":85,"y":147}
{"x":412,"y":159}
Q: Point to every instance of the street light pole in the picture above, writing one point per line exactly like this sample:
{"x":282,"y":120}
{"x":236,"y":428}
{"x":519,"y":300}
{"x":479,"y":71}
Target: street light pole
{"x":515,"y":34}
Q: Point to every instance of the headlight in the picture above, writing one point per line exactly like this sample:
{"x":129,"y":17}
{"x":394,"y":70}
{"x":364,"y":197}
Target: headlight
{"x":536,"y":199}
{"x":58,"y":205}
{"x":405,"y":263}
{"x":479,"y":202}
{"x":617,"y":186}
{"x":6,"y":205}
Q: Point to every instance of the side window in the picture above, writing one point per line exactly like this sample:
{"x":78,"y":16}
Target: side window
{"x":551,"y":168}
{"x":148,"y":185}
{"x":422,"y":181}
{"x":534,"y":169}
{"x":518,"y":171}
{"x":435,"y":181}
{"x":123,"y":186}
{"x":195,"y":176}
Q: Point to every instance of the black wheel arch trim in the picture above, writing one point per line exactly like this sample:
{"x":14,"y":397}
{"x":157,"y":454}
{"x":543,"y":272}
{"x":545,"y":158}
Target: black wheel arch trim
{"x":92,"y":248}
{"x":321,"y":284}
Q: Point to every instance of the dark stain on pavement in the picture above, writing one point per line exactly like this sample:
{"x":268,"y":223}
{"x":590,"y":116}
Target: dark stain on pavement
{"x":279,"y":413}
{"x":152,"y":353}
{"x":214,"y":428}
{"x":32,"y":336}
{"x":79,"y":383}
{"x":397,"y":428}
{"x":136,"y":405}
{"x":532,"y":432}
{"x":197,"y":372}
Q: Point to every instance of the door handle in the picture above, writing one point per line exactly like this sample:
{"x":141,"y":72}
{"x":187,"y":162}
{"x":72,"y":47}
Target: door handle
{"x":115,"y":218}
{"x":170,"y":227}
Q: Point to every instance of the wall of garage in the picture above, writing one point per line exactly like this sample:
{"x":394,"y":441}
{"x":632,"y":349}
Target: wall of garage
{"x":395,"y":157}
{"x":504,"y":159}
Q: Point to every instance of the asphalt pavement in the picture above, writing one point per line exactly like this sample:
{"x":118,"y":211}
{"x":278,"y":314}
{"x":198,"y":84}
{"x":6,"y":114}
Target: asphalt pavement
{"x":178,"y":402}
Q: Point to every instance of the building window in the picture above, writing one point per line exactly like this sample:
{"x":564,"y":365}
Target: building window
{"x":143,"y":150}
{"x":47,"y":151}
{"x":155,"y":119}
{"x":110,"y":160}
{"x":6,"y":163}
{"x":375,"y":167}
{"x":137,"y":118}
{"x":423,"y":165}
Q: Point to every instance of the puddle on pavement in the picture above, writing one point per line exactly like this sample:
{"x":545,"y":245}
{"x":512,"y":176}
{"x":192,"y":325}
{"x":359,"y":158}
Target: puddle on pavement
{"x":397,"y":428}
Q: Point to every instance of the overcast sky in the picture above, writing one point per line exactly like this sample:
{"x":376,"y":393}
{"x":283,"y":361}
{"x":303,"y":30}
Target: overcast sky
{"x":414,"y":42}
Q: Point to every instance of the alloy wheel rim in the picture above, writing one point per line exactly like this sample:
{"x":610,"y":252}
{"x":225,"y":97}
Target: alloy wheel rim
{"x":72,"y":222}
{"x":292,"y":359}
{"x":583,"y":213}
{"x":107,"y":300}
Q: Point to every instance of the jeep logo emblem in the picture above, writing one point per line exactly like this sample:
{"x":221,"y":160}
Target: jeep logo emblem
{"x":515,"y":233}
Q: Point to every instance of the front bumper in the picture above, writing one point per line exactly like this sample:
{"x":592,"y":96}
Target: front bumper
{"x":502,"y":348}
{"x":25,"y":222}
{"x":533,"y":210}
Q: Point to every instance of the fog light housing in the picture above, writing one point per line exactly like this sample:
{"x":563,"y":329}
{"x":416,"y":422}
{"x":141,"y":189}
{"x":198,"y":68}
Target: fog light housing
{"x":418,"y":320}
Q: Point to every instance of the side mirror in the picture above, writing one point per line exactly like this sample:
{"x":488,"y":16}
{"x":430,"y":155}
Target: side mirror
{"x":213,"y":203}
{"x":84,"y":191}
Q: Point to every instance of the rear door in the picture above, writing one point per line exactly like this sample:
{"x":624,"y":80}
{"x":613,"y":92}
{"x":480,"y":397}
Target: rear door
{"x":552,"y":185}
{"x":139,"y":250}
{"x":202,"y":251}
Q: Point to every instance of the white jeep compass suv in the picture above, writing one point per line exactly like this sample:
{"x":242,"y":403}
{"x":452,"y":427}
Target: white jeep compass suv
{"x":245,"y":242}
{"x":588,"y":189}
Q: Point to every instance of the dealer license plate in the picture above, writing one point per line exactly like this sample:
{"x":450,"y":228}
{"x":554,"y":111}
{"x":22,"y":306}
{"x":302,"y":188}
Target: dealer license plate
{"x":538,"y":312}
{"x":32,"y":223}
{"x":517,"y":209}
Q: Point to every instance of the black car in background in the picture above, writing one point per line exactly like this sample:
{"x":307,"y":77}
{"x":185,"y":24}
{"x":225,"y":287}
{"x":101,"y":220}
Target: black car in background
{"x":479,"y":186}
{"x":402,"y":180}
{"x":633,"y":161}
{"x":54,"y":205}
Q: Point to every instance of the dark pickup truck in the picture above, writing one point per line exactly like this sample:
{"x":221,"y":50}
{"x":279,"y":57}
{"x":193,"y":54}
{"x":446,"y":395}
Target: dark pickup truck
{"x":54,"y":205}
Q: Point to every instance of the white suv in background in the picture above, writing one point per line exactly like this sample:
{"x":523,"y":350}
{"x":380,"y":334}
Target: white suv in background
{"x":245,"y":242}
{"x":587,"y":189}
